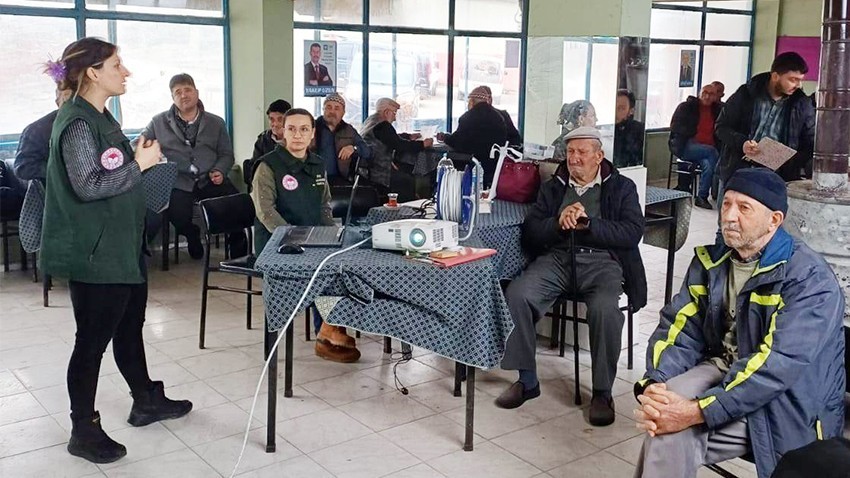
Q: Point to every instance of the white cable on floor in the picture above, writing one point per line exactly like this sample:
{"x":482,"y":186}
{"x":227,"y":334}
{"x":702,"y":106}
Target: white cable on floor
{"x":277,"y":342}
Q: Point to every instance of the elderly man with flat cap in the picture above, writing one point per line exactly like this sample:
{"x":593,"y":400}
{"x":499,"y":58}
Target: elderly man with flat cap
{"x":587,"y":197}
{"x":749,"y":357}
{"x":384,"y":170}
{"x":337,"y":142}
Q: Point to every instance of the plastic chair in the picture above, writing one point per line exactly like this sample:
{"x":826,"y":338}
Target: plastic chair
{"x":679,"y":166}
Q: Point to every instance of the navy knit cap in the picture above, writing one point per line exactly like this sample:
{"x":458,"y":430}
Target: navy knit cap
{"x":279,"y":106}
{"x":761,"y":184}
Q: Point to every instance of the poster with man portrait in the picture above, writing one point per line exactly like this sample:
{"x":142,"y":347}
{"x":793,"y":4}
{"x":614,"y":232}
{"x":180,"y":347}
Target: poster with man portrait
{"x":686,"y":68}
{"x":319,"y":67}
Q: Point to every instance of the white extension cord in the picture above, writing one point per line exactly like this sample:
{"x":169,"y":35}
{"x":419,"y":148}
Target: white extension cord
{"x":277,"y":342}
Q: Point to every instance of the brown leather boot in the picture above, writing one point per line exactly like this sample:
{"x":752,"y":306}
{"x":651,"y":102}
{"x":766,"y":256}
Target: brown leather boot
{"x":333,"y":353}
{"x":335,"y":336}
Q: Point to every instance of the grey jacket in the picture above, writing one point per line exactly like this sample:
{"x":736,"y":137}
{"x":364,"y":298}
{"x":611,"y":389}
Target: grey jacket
{"x":213,"y":149}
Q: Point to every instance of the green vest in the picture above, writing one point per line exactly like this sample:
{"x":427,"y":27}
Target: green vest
{"x":300,"y":189}
{"x":98,"y":242}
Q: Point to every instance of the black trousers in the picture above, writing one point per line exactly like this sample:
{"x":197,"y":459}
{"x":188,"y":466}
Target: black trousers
{"x":181,"y":209}
{"x":105,"y":312}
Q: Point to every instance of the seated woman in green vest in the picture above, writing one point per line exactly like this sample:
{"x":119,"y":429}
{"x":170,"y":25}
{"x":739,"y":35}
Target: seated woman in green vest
{"x":93,"y":235}
{"x":290,"y":187}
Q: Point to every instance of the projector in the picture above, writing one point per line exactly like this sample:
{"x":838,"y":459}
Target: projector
{"x":425,"y":235}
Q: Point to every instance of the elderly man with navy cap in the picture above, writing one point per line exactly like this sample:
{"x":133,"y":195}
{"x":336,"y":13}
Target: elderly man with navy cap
{"x":589,"y":198}
{"x":749,"y":357}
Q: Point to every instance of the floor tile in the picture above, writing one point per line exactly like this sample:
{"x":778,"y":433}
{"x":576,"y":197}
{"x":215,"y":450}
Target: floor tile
{"x":547,"y":445}
{"x":427,"y":438}
{"x":491,"y":421}
{"x":199,"y":393}
{"x":486,"y":460}
{"x":209,"y":424}
{"x":370,"y":456}
{"x":183,"y":463}
{"x":20,"y":407}
{"x":628,"y":450}
{"x":299,"y":404}
{"x":598,"y":465}
{"x":386,"y":411}
{"x":9,"y":384}
{"x":409,"y":374}
{"x":301,"y":467}
{"x":50,"y":462}
{"x":621,"y":430}
{"x":144,"y":442}
{"x":28,"y":435}
{"x":347,"y":388}
{"x":321,"y":430}
{"x":218,"y":363}
{"x":418,"y":471}
{"x":222,"y":454}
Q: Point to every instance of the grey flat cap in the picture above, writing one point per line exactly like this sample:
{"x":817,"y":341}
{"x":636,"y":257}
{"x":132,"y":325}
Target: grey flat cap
{"x":583,"y":132}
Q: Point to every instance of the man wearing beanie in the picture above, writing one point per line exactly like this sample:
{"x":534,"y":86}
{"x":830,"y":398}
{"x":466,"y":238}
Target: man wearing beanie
{"x":749,"y":357}
{"x":337,"y":142}
{"x":268,"y":139}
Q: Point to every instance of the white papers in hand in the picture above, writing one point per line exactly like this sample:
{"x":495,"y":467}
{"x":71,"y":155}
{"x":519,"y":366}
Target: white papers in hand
{"x":772,"y":153}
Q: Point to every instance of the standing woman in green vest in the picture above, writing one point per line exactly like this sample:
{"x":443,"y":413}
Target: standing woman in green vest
{"x":93,"y":236}
{"x":290,"y":187}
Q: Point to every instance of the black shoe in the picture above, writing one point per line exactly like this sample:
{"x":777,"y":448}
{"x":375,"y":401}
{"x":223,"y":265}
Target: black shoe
{"x":516,"y":395}
{"x":153,"y":406}
{"x":89,"y":441}
{"x":196,"y":249}
{"x":703,"y":203}
{"x":601,"y":410}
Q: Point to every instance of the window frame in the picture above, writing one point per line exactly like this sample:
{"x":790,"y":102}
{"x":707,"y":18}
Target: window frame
{"x":700,"y":44}
{"x":80,"y":14}
{"x":365,"y":28}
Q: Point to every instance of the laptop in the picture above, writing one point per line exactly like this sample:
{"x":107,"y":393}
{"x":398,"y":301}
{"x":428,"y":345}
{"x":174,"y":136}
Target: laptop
{"x":321,"y":236}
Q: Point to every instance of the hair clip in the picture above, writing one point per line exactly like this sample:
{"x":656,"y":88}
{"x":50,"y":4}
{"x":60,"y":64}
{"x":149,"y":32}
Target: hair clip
{"x":56,"y":70}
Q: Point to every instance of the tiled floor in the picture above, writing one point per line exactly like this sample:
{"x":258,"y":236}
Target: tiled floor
{"x":344,"y":420}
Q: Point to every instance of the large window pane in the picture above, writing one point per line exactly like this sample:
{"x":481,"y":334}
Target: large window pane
{"x":575,"y":70}
{"x":732,"y":4}
{"x":492,"y":62}
{"x":728,"y":27}
{"x":603,"y":81}
{"x":672,"y":24}
{"x":206,"y":8}
{"x":488,"y":15}
{"x":663,"y":93}
{"x":727,"y":64}
{"x":349,"y":50}
{"x":149,"y":49}
{"x":410,"y":69}
{"x":40,"y":3}
{"x":410,"y":13}
{"x":330,"y":11}
{"x":27,"y":93}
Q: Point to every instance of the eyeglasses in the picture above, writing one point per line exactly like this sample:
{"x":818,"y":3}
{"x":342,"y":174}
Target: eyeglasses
{"x":303,"y":131}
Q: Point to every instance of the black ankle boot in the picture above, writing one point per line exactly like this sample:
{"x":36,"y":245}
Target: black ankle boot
{"x":89,"y":441}
{"x":153,"y":406}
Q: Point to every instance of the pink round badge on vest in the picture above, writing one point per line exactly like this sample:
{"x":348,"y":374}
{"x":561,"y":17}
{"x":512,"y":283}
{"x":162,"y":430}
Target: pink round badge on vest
{"x":112,"y":158}
{"x":289,"y":183}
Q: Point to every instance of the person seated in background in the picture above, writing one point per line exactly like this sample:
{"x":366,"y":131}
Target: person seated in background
{"x":514,"y":138}
{"x":268,"y":139}
{"x":720,"y":88}
{"x":587,"y":196}
{"x":628,"y":132}
{"x":383,"y":171}
{"x":748,"y":358}
{"x":198,"y":142}
{"x":337,"y":142}
{"x":290,"y":187}
{"x":573,"y":115}
{"x":34,"y":144}
{"x":692,"y":139}
{"x":478,"y":130}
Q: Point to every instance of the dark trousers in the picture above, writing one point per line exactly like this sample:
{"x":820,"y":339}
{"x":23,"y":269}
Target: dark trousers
{"x":105,"y":312}
{"x":534,"y":292}
{"x":181,"y":209}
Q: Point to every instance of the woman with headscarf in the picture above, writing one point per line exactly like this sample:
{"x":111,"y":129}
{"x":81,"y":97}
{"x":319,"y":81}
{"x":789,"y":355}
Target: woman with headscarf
{"x":573,"y":115}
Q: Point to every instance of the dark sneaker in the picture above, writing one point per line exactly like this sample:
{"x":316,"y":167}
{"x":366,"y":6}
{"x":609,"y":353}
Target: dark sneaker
{"x":153,"y":406}
{"x":196,"y":249}
{"x":89,"y":441}
{"x":703,"y":203}
{"x":601,"y":411}
{"x":516,"y":395}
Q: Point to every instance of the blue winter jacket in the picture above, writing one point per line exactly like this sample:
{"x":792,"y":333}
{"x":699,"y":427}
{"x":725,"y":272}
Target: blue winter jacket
{"x":789,"y":378}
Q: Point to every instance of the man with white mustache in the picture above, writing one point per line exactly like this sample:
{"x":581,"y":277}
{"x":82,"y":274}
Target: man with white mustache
{"x":749,"y":356}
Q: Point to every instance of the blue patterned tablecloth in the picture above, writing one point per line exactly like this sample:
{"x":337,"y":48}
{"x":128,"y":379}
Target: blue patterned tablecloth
{"x":458,"y":312}
{"x":426,"y":160}
{"x":501,"y":229}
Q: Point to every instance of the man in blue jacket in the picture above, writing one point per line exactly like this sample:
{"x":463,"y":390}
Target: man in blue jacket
{"x":749,"y":356}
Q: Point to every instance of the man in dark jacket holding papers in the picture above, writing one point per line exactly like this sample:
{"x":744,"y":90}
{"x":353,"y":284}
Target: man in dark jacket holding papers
{"x":589,"y":198}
